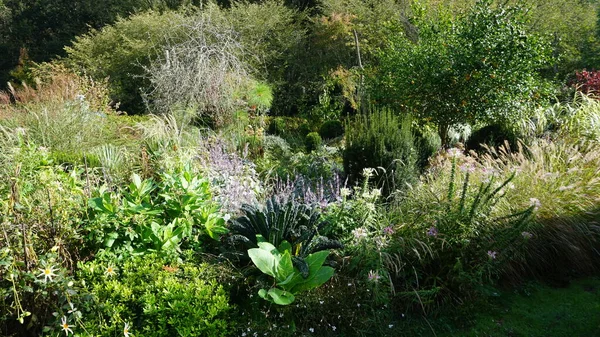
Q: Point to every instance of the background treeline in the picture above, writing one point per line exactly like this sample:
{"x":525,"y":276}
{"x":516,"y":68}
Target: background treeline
{"x":305,"y":51}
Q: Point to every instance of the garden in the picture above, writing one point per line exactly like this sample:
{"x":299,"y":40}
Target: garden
{"x":299,"y":168}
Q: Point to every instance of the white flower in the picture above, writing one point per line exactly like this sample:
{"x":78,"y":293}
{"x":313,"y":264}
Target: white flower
{"x":311,"y":330}
{"x":333,"y":328}
{"x":227,"y":217}
{"x":126,"y":332}
{"x":454,"y":152}
{"x":345,"y":192}
{"x":73,"y":309}
{"x":66,"y":327}
{"x":368,"y":172}
{"x":110,"y":271}
{"x":359,"y":233}
{"x":48,"y":273}
{"x":391,"y":326}
{"x":535,"y":203}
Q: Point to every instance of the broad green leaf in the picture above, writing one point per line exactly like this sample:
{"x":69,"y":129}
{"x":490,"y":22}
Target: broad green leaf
{"x":281,"y":297}
{"x":314,"y":280}
{"x":316,"y":260}
{"x":285,"y":246}
{"x":263,"y":260}
{"x":285,"y":268}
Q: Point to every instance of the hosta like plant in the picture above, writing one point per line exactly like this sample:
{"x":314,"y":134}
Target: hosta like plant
{"x":289,"y":280}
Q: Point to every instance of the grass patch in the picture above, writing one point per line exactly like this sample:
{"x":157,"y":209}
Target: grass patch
{"x":533,"y":310}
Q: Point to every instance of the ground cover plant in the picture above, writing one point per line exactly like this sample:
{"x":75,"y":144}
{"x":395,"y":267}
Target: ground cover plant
{"x":299,"y":168}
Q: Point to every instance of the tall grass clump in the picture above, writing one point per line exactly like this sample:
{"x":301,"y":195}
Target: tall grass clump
{"x":380,"y":139}
{"x":562,"y":181}
{"x":573,"y":120}
{"x":453,"y":234}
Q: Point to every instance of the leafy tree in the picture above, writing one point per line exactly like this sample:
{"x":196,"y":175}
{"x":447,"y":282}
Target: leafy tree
{"x":479,"y":67}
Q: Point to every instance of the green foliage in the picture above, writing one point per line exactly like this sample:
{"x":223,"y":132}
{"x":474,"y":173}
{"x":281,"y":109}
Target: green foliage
{"x":120,"y":52}
{"x":484,"y":62}
{"x":38,"y":30}
{"x":282,"y":220}
{"x":41,"y":211}
{"x":331,"y":129}
{"x":151,"y":217}
{"x":313,"y":141}
{"x":574,"y":120}
{"x":380,"y":139}
{"x":153,"y":298}
{"x":278,"y":264}
{"x":491,"y":135}
{"x":277,"y":126}
{"x":462,"y":241}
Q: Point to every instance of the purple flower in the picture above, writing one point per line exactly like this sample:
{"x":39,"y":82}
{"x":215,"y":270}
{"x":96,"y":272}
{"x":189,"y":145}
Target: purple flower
{"x":373,"y":276}
{"x":388,"y":230}
{"x":492,"y":254}
{"x":432,"y":231}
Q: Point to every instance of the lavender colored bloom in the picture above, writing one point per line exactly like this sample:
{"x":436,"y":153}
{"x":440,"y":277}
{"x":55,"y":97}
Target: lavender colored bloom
{"x":492,"y":254}
{"x":432,"y":231}
{"x":388,"y":230}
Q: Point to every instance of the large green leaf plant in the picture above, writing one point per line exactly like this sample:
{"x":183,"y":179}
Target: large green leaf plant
{"x":288,"y":280}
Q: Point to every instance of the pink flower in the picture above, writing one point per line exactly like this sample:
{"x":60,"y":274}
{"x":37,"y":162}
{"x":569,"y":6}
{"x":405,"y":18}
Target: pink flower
{"x":388,"y":230}
{"x":492,"y":254}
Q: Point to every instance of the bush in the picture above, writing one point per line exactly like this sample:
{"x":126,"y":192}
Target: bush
{"x":153,"y":298}
{"x":122,"y":51}
{"x":277,"y":126}
{"x":380,"y":139}
{"x":484,"y":62}
{"x":42,"y":208}
{"x":491,"y":135}
{"x":313,"y":141}
{"x":331,"y":129}
{"x":155,"y":217}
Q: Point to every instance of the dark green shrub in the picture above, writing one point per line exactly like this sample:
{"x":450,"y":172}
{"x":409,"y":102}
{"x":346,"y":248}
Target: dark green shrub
{"x":331,"y":129}
{"x":305,"y":129}
{"x":313,"y":141}
{"x":276,"y":126}
{"x":492,"y":135}
{"x":153,"y":298}
{"x":427,"y":143}
{"x":380,"y":139}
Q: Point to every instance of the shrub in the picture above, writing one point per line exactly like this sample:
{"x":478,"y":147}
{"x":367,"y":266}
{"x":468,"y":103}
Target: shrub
{"x":153,"y":298}
{"x":120,"y":52}
{"x":313,"y":141}
{"x":484,"y":62}
{"x":155,"y":217}
{"x":42,"y":208}
{"x":491,"y":135}
{"x":277,"y":126}
{"x":331,"y":129}
{"x":587,"y":82}
{"x":380,"y":139}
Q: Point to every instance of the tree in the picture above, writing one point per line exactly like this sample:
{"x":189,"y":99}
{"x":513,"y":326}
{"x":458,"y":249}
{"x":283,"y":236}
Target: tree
{"x":479,"y":67}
